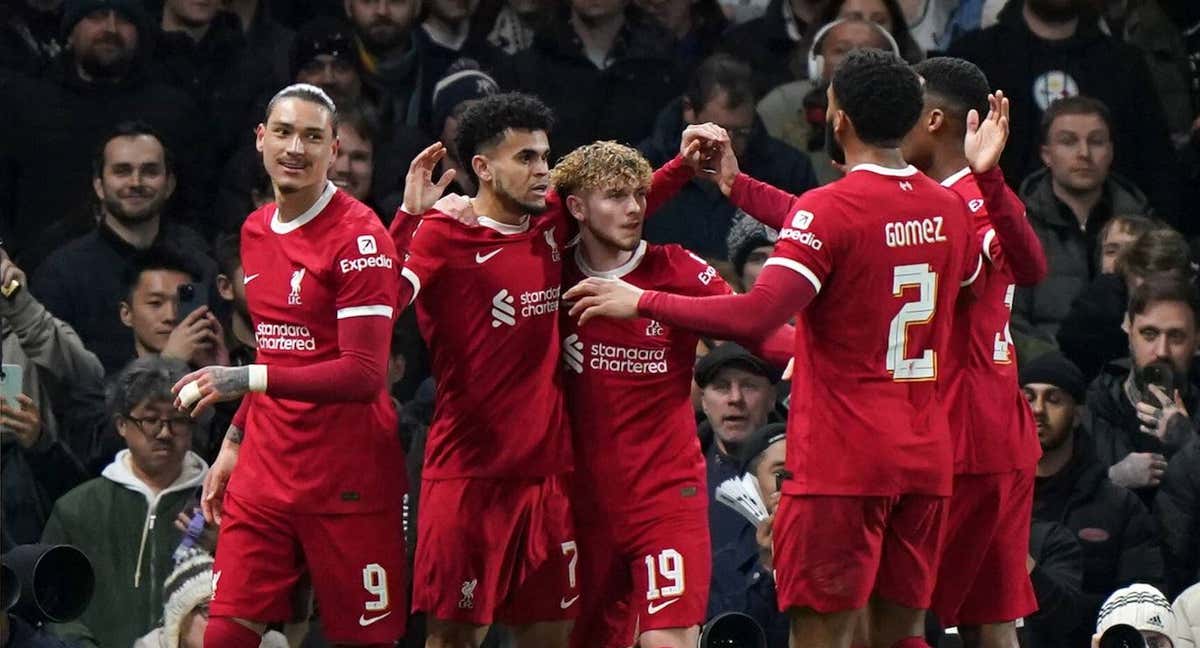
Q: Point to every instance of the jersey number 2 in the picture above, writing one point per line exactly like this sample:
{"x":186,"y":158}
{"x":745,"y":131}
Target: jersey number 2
{"x":900,"y":365}
{"x":1003,"y":341}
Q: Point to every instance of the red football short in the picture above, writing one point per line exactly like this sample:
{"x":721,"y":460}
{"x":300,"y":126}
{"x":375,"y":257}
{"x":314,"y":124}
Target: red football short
{"x":639,"y":576}
{"x":833,"y":552}
{"x":983,"y":578}
{"x":496,"y":550}
{"x":355,"y":561}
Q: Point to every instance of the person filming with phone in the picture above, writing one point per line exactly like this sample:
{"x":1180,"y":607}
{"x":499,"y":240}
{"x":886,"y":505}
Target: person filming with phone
{"x":1139,"y":407}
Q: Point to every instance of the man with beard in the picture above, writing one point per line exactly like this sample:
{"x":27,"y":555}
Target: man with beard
{"x":1115,"y":531}
{"x":56,"y":122}
{"x":1043,"y":50}
{"x":391,"y":58}
{"x":82,"y":282}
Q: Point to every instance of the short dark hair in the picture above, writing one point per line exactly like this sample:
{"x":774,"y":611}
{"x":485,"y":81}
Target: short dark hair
{"x":484,"y":122}
{"x":131,"y":128}
{"x":228,"y":252}
{"x":1157,"y":250}
{"x":304,"y":92}
{"x":1164,"y":288}
{"x":880,"y":93}
{"x":720,"y":72}
{"x":159,"y":257}
{"x":361,"y":119}
{"x":959,"y":85}
{"x":1078,"y":105}
{"x":148,"y":378}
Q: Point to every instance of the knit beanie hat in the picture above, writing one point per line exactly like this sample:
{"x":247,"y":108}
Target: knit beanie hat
{"x":187,"y":588}
{"x":1053,"y":368}
{"x":1141,"y":606}
{"x":745,"y":235}
{"x":463,"y":81}
{"x":76,"y":10}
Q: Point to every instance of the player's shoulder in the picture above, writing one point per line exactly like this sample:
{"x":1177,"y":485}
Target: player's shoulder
{"x":673,"y":266}
{"x":259,"y":220}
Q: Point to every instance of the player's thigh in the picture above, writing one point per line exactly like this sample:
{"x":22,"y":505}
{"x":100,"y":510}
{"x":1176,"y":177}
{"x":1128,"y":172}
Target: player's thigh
{"x":912,"y":546}
{"x":970,"y":528}
{"x":1002,"y":591}
{"x":606,"y":618}
{"x":451,"y":634}
{"x":671,"y":568}
{"x":359,"y":574}
{"x":543,"y":634}
{"x":259,"y":564}
{"x":546,"y":581}
{"x":670,"y":637}
{"x":828,"y":550}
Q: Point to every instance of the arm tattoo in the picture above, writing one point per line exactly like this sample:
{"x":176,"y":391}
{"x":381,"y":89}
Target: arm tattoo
{"x":231,"y":380}
{"x":234,"y":434}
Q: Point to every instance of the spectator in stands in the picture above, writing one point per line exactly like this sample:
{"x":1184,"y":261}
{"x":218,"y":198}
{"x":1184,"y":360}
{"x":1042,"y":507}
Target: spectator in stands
{"x":112,"y":518}
{"x":82,"y":283}
{"x":239,"y":330}
{"x":391,"y":59}
{"x":696,"y":26}
{"x":514,"y":25}
{"x":1138,"y":419}
{"x":1069,"y":202}
{"x":1118,"y":236}
{"x":721,"y":92}
{"x":795,"y":111}
{"x":323,"y":54}
{"x":1045,"y":50}
{"x":604,"y":68}
{"x":31,"y":35}
{"x":1055,"y":566}
{"x":37,"y":463}
{"x":150,"y":309}
{"x":266,"y":38}
{"x":449,"y":33}
{"x":886,"y":14}
{"x":1092,"y":334}
{"x":1115,"y":531}
{"x":354,"y":167}
{"x":1187,"y":616}
{"x":55,"y":123}
{"x":1145,"y":608}
{"x":750,"y":244}
{"x":1177,"y":507}
{"x":464,"y":82}
{"x":776,"y":44}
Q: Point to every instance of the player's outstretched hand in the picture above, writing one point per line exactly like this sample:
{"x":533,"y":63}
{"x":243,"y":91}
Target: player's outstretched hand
{"x":206,"y":387}
{"x":212,"y":495}
{"x":726,"y":170}
{"x":984,"y":141}
{"x":700,"y":146}
{"x":420,"y":191}
{"x":596,"y":297}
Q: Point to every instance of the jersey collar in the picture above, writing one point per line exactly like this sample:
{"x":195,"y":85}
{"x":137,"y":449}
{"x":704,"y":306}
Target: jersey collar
{"x":505,"y":228}
{"x":280,"y":227}
{"x":617,"y":272}
{"x":907,"y":171}
{"x":962,"y":173}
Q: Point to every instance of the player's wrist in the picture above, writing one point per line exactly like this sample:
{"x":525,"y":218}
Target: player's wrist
{"x":256,"y":375}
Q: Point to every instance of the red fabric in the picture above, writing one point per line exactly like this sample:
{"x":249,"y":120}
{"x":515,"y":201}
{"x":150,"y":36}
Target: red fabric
{"x":321,"y":292}
{"x":239,"y":417}
{"x":1019,"y":248}
{"x":227,"y":633}
{"x":767,"y":204}
{"x":911,"y":642}
{"x":668,"y":180}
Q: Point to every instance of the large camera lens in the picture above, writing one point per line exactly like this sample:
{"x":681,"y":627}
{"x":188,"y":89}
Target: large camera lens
{"x":1122,"y":635}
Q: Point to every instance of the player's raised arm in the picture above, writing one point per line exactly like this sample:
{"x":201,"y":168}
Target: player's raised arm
{"x":764,"y":203}
{"x":698,"y":146}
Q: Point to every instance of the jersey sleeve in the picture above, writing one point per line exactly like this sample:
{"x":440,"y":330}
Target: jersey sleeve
{"x":1013,"y":241}
{"x":421,"y":262}
{"x":972,"y":258}
{"x":808,"y":240}
{"x":364,"y":274}
{"x":696,"y":277}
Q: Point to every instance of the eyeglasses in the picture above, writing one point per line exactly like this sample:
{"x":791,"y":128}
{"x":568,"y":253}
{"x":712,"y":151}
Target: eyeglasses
{"x":151,"y":426}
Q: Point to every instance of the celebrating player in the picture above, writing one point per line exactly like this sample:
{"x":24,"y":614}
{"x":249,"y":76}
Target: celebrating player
{"x":495,"y":537}
{"x":983,"y":584}
{"x":639,"y":483}
{"x":872,"y":264}
{"x":319,"y":478}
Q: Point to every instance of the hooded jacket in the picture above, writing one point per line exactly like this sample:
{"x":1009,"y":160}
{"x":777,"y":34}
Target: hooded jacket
{"x":1115,"y":531}
{"x":128,"y":534}
{"x":1020,"y":63}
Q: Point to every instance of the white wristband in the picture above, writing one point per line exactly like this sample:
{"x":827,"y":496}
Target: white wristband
{"x":258,"y":377}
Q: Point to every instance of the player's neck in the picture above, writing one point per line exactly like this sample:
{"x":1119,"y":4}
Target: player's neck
{"x":600,"y":256}
{"x":890,"y":158}
{"x":487,"y":203}
{"x":242,"y":331}
{"x":1047,"y":30}
{"x":1080,"y":203}
{"x":947,"y":162}
{"x":1053,"y":461}
{"x":140,"y":235}
{"x":294,"y":203}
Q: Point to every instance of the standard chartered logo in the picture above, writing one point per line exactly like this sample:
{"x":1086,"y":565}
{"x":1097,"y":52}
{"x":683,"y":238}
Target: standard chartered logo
{"x":503,"y":311}
{"x":573,"y":352}
{"x":532,"y":303}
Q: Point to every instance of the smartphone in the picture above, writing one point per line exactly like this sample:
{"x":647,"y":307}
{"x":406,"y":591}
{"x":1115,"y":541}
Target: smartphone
{"x":1160,"y":374}
{"x":10,"y":384}
{"x":191,"y":296}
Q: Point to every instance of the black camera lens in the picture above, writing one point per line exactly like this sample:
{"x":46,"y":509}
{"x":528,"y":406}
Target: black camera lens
{"x":187,"y":291}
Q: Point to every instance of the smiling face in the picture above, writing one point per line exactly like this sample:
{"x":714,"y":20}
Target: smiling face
{"x":354,"y":166}
{"x":517,"y":170}
{"x":134,"y":182}
{"x":297,"y":144}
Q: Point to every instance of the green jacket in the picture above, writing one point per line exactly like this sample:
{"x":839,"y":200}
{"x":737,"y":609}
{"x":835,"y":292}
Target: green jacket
{"x":129,"y":534}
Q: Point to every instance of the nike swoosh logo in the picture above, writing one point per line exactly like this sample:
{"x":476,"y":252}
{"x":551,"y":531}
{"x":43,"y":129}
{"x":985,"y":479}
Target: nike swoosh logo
{"x":248,"y":278}
{"x":655,"y":608}
{"x":364,"y":621}
{"x":480,"y":258}
{"x":566,"y":603}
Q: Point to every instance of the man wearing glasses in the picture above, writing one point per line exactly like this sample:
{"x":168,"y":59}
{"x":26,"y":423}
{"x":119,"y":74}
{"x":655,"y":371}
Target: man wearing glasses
{"x":123,"y":520}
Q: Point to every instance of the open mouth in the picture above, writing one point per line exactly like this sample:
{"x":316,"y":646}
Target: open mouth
{"x":341,"y":183}
{"x":293,"y":165}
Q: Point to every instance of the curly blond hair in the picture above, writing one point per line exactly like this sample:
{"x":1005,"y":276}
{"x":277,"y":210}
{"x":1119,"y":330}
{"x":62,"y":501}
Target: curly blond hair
{"x":600,"y":165}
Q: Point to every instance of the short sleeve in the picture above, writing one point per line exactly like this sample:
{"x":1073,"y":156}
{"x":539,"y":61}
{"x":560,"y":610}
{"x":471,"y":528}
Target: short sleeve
{"x":364,"y":271}
{"x":808,"y":241}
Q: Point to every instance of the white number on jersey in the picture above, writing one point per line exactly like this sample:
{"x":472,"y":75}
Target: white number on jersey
{"x":669,"y":567}
{"x":375,"y":582}
{"x":899,"y":364}
{"x":569,"y":548}
{"x":1003,"y":341}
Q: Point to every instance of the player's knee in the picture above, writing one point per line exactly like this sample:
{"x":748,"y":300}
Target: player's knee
{"x":227,"y":632}
{"x":448,"y":634}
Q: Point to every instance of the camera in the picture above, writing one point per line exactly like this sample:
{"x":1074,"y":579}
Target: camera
{"x":732,"y":630}
{"x":53,"y":583}
{"x":1122,"y":635}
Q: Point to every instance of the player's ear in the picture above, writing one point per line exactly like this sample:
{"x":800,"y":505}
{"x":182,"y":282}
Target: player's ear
{"x":480,"y":164}
{"x":169,"y":190}
{"x":936,"y":120}
{"x":98,"y":187}
{"x":260,"y":132}
{"x":224,"y":287}
{"x":1045,"y":154}
{"x":575,"y":206}
{"x":126,"y":313}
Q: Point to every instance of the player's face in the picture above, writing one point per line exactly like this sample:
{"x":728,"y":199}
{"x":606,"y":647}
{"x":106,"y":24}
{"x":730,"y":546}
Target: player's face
{"x":769,"y":469}
{"x":453,"y":11}
{"x":1054,"y":411}
{"x":737,"y":121}
{"x":736,"y":403}
{"x":754,"y":264}
{"x":134,"y":183}
{"x":382,"y":24}
{"x":233,"y":289}
{"x":1079,"y":152}
{"x":1117,"y":240}
{"x":193,"y":13}
{"x":156,"y":450}
{"x":104,"y":42}
{"x":154,"y":310}
{"x":517,"y":170}
{"x":1165,"y":331}
{"x":297,"y":144}
{"x":336,"y":76}
{"x":354,"y":165}
{"x":614,"y":216}
{"x":872,"y":10}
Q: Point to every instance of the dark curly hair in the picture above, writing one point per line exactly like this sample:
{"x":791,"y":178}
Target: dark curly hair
{"x":880,"y":93}
{"x":958,"y":86}
{"x":483,"y":123}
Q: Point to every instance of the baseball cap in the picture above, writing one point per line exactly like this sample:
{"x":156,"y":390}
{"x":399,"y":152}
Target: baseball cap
{"x":761,"y":439}
{"x":1141,"y":606}
{"x":732,"y":354}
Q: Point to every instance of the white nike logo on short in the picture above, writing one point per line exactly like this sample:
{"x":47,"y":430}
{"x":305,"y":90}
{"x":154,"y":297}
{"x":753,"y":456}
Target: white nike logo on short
{"x":248,"y":278}
{"x":480,"y":258}
{"x":655,"y":608}
{"x":364,"y":621}
{"x":568,"y":602}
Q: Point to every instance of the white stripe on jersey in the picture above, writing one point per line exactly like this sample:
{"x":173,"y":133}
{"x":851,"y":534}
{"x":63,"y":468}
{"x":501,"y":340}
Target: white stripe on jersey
{"x":987,"y":244}
{"x":364,"y":311}
{"x":796,"y":266}
{"x":974,"y":275}
{"x":414,"y":280}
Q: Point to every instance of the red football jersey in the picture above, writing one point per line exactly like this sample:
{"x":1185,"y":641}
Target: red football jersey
{"x":886,"y":250}
{"x":487,"y":299}
{"x":335,"y":261}
{"x":992,"y":424}
{"x":629,"y":390}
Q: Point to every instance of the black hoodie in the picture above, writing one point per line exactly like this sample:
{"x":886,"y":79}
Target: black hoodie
{"x":1015,"y":61}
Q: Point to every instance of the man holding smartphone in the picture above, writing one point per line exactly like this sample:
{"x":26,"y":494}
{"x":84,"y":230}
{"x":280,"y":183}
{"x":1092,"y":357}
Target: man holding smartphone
{"x":165,"y":308}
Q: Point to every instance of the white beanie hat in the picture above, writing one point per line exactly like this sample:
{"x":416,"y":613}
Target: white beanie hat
{"x":1141,"y":606}
{"x":187,"y":588}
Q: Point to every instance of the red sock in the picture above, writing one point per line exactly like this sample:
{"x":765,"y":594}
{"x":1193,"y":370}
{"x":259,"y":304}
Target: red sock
{"x":224,"y":632}
{"x":911,"y":642}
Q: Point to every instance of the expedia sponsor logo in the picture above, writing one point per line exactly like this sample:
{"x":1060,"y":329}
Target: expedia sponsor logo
{"x":362,"y":263}
{"x":284,"y":337}
{"x":803,"y":238}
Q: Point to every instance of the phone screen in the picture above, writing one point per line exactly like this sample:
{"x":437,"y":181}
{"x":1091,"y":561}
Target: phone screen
{"x":10,"y":384}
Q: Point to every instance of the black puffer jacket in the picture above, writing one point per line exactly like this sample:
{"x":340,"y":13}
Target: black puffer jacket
{"x":1056,"y":577}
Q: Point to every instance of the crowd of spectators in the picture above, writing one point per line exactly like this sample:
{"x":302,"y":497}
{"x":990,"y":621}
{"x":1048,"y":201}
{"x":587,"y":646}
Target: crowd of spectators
{"x":128,"y":165}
